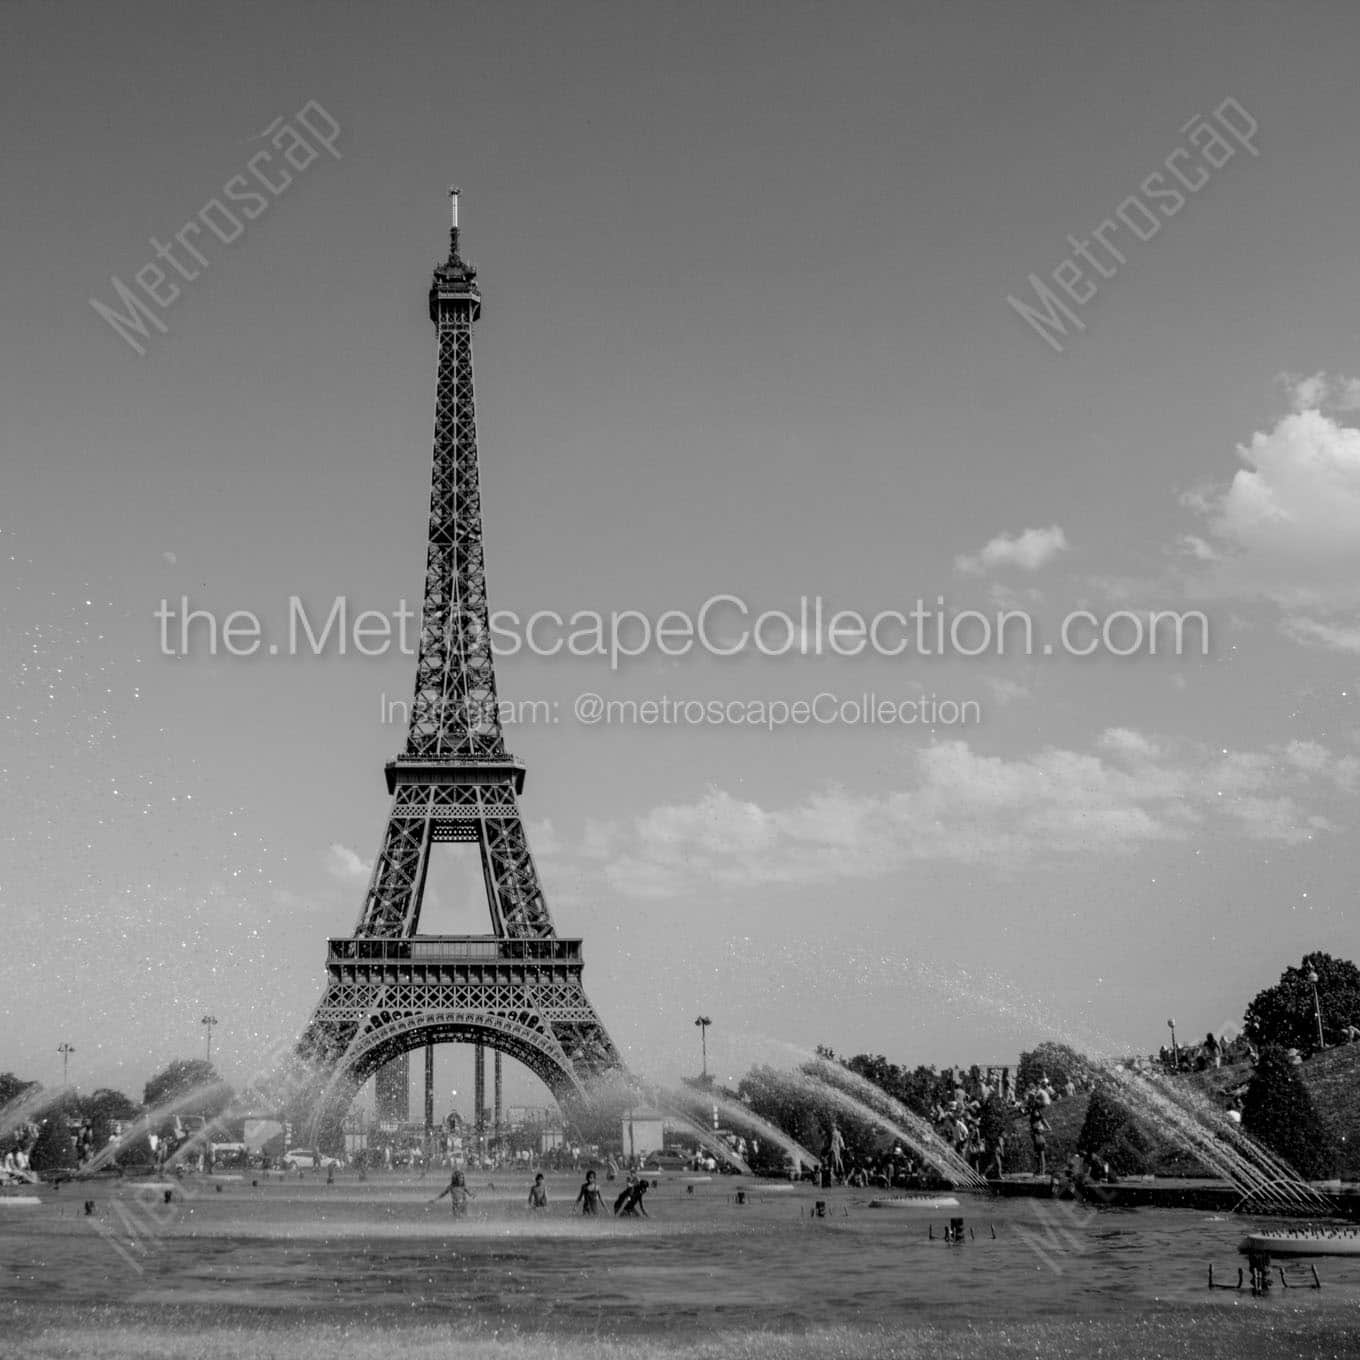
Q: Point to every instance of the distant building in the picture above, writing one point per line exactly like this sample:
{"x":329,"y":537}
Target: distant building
{"x":392,"y":1091}
{"x":532,"y":1116}
{"x":644,"y":1131}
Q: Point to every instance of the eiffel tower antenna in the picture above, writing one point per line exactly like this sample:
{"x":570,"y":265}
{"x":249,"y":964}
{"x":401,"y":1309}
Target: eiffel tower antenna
{"x":517,"y":989}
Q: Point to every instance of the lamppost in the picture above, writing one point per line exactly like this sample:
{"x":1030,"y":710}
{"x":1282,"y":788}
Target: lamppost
{"x":1175,"y":1051}
{"x":1317,"y":1006}
{"x":704,"y":1022}
{"x":65,"y":1050}
{"x":208,"y":1022}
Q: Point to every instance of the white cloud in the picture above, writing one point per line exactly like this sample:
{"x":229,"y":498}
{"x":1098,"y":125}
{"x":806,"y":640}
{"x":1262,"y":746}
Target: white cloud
{"x":1298,"y":496}
{"x":1336,"y":637}
{"x":1003,"y":595}
{"x":1321,"y":390}
{"x":1122,"y":590}
{"x":1131,"y":745}
{"x":1199,"y":549}
{"x":1287,"y":526}
{"x":1006,"y":691}
{"x":544,"y":842}
{"x":344,"y":864}
{"x":1028,"y":551}
{"x":599,"y":839}
{"x":964,"y":807}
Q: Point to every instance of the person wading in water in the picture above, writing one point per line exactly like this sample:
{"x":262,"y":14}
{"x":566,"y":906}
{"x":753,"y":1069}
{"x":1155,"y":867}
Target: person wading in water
{"x":630,"y":1202}
{"x":589,"y":1197}
{"x":538,"y":1193}
{"x":457,"y":1191}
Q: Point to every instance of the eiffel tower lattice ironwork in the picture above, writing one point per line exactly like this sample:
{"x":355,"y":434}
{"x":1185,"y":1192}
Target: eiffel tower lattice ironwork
{"x":390,"y":989}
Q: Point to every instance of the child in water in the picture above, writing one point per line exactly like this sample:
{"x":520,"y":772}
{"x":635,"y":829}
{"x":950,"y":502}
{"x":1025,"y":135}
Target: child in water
{"x":589,"y":1197}
{"x":625,"y":1193}
{"x":538,"y":1193}
{"x":457,"y":1191}
{"x":630,"y":1202}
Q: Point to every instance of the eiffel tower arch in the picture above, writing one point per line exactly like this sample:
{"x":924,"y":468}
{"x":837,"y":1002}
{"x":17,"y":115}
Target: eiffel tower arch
{"x":517,"y":989}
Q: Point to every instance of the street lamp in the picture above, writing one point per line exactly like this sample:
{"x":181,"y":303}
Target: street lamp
{"x":1317,"y":1006}
{"x":704,"y":1022}
{"x":1175,"y":1051}
{"x":65,"y":1050}
{"x":208,"y":1022}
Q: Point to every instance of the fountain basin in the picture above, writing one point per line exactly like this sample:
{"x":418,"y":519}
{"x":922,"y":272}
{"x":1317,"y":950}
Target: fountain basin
{"x":1323,"y":1242}
{"x":916,"y":1202}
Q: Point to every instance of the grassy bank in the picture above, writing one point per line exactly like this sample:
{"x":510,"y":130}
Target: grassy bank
{"x":1332,"y":1077}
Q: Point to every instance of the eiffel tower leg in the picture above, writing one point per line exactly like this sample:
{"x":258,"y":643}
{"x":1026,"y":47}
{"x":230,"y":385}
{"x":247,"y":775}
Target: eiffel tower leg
{"x":512,"y":878}
{"x":397,"y":883}
{"x":479,"y":1093}
{"x":429,"y":1089}
{"x":496,"y":1105}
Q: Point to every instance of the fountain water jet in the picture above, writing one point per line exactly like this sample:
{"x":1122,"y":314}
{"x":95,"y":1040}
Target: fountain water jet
{"x":625,"y":1089}
{"x":740,"y":1114}
{"x":1184,"y":1117}
{"x":146,"y":1123}
{"x":925,"y":1142}
{"x":877,"y":1106}
{"x":23,"y":1108}
{"x":275,"y":1090}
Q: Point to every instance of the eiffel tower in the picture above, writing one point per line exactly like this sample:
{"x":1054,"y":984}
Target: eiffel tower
{"x":390,"y":989}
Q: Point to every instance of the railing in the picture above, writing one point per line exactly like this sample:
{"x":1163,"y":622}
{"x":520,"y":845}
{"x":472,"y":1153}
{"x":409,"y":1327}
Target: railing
{"x":454,"y":948}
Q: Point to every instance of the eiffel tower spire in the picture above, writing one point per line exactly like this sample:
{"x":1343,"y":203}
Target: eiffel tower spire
{"x":517,"y":989}
{"x":454,"y":714}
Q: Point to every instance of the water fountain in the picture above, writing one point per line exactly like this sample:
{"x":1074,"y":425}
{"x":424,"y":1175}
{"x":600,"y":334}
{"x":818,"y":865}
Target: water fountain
{"x":147,"y":1124}
{"x":1184,"y":1117}
{"x":25,"y":1108}
{"x":904,"y":1124}
{"x":742,"y":1116}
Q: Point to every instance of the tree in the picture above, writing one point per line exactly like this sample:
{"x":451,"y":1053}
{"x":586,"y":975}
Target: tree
{"x":780,"y":1100}
{"x":103,"y":1110}
{"x":1285,"y":1013}
{"x":14,"y":1088}
{"x":1278,"y":1111}
{"x":918,"y":1090}
{"x":55,"y":1148}
{"x":805,"y":1112}
{"x":193,"y":1081}
{"x":1110,"y":1134}
{"x":1055,"y":1061}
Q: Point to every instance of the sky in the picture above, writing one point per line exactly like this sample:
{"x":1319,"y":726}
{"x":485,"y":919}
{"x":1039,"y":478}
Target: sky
{"x":755,"y":283}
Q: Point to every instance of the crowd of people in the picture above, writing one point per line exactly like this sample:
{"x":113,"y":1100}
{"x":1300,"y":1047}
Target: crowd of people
{"x":973,"y":1114}
{"x":1212,"y":1051}
{"x":978,"y":1121}
{"x":14,"y":1165}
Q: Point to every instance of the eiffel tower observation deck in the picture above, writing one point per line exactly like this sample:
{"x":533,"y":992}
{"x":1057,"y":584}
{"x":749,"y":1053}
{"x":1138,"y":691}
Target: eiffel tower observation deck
{"x":517,"y":989}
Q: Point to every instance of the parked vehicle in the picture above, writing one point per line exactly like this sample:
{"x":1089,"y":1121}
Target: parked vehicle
{"x":668,"y":1160}
{"x":308,"y":1159}
{"x":229,"y":1156}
